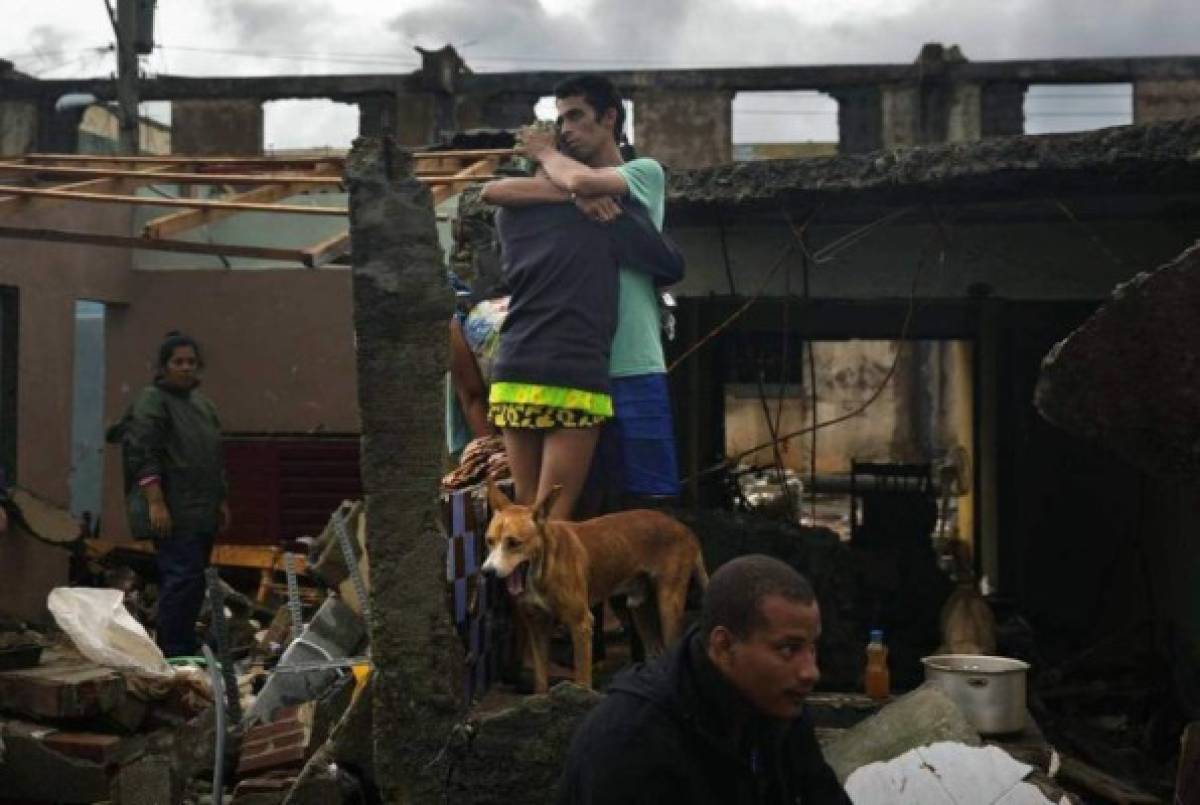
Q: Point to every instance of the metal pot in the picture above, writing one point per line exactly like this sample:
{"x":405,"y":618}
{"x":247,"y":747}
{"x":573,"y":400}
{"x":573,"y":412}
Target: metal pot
{"x":990,"y":691}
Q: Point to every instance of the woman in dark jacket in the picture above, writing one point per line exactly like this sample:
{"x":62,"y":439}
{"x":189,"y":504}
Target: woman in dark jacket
{"x":175,"y":484}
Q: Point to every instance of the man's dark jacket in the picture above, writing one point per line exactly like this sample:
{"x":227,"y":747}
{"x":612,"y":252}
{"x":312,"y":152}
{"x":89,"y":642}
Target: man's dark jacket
{"x":666,"y":733}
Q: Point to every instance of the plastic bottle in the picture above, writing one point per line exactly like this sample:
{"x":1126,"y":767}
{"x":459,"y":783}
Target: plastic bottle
{"x":877,"y":680}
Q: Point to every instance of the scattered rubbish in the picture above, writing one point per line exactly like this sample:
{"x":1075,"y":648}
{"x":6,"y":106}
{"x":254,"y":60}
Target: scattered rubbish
{"x":103,"y":630}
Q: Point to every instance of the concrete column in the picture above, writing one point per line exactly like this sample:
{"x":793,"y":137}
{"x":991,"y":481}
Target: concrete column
{"x":1002,"y":109}
{"x":208,"y":127}
{"x":962,"y":114}
{"x":900,"y":115}
{"x":416,"y":119}
{"x":685,"y":129}
{"x":18,"y":127}
{"x":860,"y":119}
{"x":939,"y":111}
{"x":1155,"y":101}
{"x":376,"y":115}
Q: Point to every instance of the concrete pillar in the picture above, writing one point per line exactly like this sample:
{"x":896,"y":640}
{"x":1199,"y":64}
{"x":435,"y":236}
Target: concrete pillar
{"x":217,"y":128}
{"x":376,"y":115}
{"x":685,"y":129}
{"x":1155,"y":101}
{"x":860,"y":119}
{"x":416,"y":119}
{"x":900,"y":115}
{"x":18,"y":127}
{"x":963,"y":119}
{"x":931,"y":112}
{"x":1002,"y":109}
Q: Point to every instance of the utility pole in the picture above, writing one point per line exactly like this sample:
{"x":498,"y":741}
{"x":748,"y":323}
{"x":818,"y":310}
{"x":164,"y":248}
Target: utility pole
{"x":127,"y":74}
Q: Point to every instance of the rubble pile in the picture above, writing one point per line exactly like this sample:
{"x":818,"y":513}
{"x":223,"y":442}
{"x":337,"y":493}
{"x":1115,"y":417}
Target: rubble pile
{"x":92,"y":712}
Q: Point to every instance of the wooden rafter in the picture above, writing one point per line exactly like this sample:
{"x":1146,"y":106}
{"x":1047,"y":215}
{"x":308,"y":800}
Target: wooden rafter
{"x":11,"y":204}
{"x":175,"y":222}
{"x":261,"y":182}
{"x":265,"y":160}
{"x":178,"y":177}
{"x":327,"y":251}
{"x":129,"y":242}
{"x":153,"y":201}
{"x":483,"y":169}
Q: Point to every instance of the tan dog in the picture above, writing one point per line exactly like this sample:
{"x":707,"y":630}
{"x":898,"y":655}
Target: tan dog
{"x":968,"y":625}
{"x":557,"y":570}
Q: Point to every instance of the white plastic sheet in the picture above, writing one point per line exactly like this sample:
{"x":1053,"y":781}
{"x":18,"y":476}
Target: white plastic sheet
{"x":103,"y":630}
{"x":945,"y":773}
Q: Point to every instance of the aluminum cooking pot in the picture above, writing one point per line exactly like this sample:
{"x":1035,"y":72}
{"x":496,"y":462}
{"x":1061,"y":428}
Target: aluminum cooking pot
{"x":990,"y":691}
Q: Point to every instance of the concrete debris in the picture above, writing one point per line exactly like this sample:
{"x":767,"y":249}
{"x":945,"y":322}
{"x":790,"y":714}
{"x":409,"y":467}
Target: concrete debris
{"x":1146,"y":337}
{"x":330,"y":563}
{"x":334,"y":633}
{"x":342,"y":769}
{"x":925,"y":716}
{"x":537,"y":730}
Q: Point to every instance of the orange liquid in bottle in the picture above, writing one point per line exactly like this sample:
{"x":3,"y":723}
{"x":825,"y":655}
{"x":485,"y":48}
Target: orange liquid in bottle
{"x":877,"y":680}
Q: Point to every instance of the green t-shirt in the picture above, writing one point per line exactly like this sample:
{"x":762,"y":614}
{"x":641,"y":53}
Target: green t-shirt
{"x":637,"y":345}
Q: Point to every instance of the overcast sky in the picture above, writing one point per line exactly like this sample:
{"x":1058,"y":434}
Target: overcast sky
{"x":72,"y":38}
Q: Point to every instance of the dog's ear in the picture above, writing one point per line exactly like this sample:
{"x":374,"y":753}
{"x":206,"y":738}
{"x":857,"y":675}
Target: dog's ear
{"x":542,"y":508}
{"x":497,"y":499}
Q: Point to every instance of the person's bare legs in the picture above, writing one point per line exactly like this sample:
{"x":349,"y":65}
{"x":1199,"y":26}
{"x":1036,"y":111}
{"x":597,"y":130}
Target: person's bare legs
{"x":566,"y":459}
{"x":524,"y":447}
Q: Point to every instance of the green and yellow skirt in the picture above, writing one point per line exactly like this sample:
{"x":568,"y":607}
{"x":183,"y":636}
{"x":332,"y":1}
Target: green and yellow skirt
{"x":537,"y":407}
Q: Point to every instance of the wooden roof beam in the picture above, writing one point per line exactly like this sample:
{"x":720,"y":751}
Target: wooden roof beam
{"x":176,"y":222}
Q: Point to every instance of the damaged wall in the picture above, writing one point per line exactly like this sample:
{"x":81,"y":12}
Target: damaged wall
{"x":49,"y":278}
{"x":923,"y":412}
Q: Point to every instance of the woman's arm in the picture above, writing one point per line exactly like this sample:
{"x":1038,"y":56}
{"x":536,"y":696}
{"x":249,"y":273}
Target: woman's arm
{"x":144,"y":444}
{"x":520,"y":191}
{"x":468,"y":383}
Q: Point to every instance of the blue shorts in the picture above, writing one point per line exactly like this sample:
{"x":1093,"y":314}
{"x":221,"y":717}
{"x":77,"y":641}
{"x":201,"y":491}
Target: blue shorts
{"x":636,"y":451}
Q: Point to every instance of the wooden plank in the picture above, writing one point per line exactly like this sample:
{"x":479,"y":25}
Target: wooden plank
{"x":266,"y":160}
{"x":255,"y":557}
{"x":149,"y":201}
{"x":181,"y":158}
{"x":175,"y":222}
{"x":473,"y":172}
{"x":129,"y":242}
{"x":179,"y":177}
{"x":327,"y":250}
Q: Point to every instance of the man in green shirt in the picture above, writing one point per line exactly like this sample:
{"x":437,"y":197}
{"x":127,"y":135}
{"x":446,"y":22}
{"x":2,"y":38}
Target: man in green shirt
{"x":637,"y":452}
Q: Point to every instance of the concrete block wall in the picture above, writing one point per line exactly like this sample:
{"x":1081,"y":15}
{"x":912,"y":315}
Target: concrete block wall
{"x":225,"y":127}
{"x":1156,"y":101}
{"x":691,"y":129}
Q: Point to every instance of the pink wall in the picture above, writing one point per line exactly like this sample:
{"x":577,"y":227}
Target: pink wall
{"x":279,"y":348}
{"x":49,"y":279}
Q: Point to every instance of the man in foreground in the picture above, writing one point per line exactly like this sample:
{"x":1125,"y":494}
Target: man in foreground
{"x":720,"y":718}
